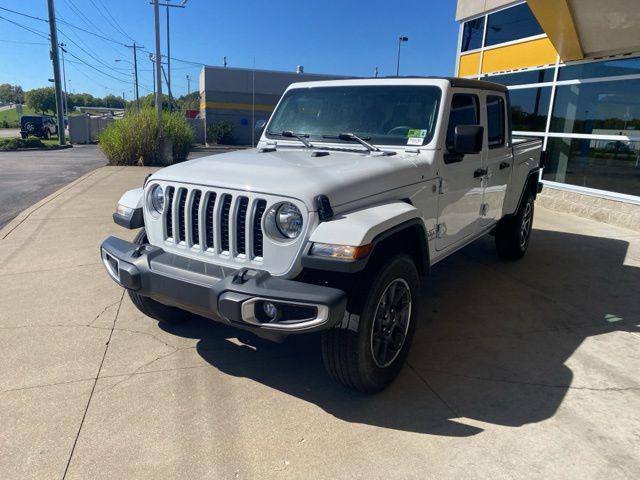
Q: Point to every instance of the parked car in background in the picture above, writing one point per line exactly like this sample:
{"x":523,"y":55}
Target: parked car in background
{"x":38,"y":126}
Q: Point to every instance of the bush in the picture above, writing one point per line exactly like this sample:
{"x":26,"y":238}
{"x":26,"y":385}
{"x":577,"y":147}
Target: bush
{"x":219,"y":132}
{"x":16,"y":143}
{"x":133,"y":140}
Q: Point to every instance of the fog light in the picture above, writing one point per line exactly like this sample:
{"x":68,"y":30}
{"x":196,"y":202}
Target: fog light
{"x":270,"y":310}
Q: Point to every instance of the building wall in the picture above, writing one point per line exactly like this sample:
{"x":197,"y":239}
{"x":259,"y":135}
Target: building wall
{"x":587,"y":111}
{"x":244,"y":97}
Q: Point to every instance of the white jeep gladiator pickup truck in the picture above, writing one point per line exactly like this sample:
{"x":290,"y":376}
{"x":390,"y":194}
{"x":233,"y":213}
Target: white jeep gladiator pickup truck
{"x":356,"y":188}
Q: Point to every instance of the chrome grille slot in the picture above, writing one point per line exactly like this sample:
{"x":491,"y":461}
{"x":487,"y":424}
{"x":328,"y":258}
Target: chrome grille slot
{"x":224,"y":223}
{"x":182,"y":201}
{"x":241,"y":226}
{"x":211,"y":203}
{"x":169,"y":219}
{"x":195,"y":217}
{"x":261,"y":206}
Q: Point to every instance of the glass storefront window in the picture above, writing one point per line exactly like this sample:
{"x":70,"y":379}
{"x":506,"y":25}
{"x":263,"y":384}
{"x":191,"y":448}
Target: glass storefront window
{"x":604,"y":108}
{"x":511,"y":24}
{"x":529,"y":108}
{"x":602,"y":164}
{"x":522,"y":78}
{"x":607,"y":68}
{"x":472,"y":34}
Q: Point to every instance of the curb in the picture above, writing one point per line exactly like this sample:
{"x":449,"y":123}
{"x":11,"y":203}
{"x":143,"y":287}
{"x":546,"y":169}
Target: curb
{"x":38,"y":149}
{"x":22,"y":216}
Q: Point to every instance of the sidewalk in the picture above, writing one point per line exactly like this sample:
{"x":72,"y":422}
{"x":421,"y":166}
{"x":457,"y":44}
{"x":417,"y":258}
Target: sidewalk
{"x":518,"y":370}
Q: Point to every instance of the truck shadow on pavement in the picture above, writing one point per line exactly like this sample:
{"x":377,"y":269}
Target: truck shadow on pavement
{"x":491,"y":346}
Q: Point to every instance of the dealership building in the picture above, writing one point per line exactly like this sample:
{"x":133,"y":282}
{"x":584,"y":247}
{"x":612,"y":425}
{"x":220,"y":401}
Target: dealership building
{"x":245,"y":97}
{"x":573,"y":71}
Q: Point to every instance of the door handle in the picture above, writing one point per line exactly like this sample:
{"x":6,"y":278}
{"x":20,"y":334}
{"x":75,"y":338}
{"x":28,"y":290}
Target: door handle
{"x":479,"y":172}
{"x":504,"y":165}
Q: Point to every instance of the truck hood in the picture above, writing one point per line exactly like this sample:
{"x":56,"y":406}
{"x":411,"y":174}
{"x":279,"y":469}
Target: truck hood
{"x":342,"y":176}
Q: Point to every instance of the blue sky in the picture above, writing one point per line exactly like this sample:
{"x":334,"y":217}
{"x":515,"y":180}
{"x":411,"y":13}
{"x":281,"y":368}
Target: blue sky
{"x":331,"y":36}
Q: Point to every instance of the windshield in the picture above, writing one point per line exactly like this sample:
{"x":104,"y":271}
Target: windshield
{"x":384,"y":114}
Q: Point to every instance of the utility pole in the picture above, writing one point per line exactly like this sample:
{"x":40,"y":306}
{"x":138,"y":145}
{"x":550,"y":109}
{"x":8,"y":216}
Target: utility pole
{"x":56,"y":71}
{"x":168,"y":75}
{"x":153,"y":69}
{"x":135,"y":71}
{"x":188,"y":84}
{"x":65,"y":95}
{"x":156,"y":15}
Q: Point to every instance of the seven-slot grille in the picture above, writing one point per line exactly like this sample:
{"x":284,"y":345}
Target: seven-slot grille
{"x":214,"y":222}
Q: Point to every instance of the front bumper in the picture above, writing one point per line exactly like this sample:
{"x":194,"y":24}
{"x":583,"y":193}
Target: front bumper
{"x":234,"y":297}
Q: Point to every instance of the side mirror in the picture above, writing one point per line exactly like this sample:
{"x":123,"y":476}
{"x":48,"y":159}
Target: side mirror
{"x":468,"y":139}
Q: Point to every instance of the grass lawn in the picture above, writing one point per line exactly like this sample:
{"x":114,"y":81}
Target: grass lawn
{"x":12,"y":118}
{"x":7,"y":144}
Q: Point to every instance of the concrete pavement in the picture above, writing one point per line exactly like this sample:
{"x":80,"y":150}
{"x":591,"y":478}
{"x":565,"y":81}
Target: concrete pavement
{"x":518,"y":370}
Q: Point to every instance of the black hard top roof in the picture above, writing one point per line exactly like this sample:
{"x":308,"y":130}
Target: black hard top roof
{"x":463,"y":82}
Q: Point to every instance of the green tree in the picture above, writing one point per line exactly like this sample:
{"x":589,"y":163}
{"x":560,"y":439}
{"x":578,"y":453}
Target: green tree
{"x":189,"y":102}
{"x":42,"y":99}
{"x":112,"y":101}
{"x":11,"y":93}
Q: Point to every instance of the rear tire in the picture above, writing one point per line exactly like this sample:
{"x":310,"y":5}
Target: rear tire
{"x":367,"y":353}
{"x":513,"y":233}
{"x":151,"y":308}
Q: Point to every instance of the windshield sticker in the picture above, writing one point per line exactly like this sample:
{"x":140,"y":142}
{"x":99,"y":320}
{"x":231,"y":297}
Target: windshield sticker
{"x":415,"y":141}
{"x":415,"y":132}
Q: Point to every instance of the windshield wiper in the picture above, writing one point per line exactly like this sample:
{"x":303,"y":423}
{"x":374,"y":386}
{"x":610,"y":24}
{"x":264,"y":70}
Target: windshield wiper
{"x":362,"y":141}
{"x":298,"y":136}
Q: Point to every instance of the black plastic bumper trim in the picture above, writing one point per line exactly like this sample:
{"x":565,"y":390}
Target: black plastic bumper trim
{"x":213,"y":291}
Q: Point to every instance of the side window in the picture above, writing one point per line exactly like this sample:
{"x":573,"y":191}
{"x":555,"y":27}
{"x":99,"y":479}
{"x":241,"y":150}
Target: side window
{"x":495,"y":121}
{"x":465,"y":110}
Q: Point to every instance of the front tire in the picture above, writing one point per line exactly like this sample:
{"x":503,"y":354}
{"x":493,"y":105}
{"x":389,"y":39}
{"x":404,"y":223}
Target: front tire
{"x":368,"y":356}
{"x":151,"y":308}
{"x":513,"y":233}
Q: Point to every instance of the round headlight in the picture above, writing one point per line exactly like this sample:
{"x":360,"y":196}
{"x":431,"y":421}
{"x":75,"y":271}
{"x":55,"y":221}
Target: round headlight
{"x":289,"y":220}
{"x":157,"y":198}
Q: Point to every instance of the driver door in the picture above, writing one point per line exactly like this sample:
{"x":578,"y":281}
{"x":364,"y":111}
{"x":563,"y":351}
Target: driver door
{"x":461,"y":189}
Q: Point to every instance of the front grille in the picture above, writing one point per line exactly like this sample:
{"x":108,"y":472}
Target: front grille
{"x":195,"y":216}
{"x":241,"y":225}
{"x":211,"y":203}
{"x":229,"y":223}
{"x":182,"y":201}
{"x":169,"y":220}
{"x":224,"y":222}
{"x":261,"y":206}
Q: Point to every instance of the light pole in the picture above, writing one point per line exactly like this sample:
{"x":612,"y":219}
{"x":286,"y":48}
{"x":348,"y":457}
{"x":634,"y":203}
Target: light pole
{"x":188,"y":84}
{"x":401,"y":39}
{"x":134,"y":64}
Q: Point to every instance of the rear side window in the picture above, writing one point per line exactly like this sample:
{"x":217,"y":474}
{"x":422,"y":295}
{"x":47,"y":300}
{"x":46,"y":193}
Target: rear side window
{"x":495,"y":121}
{"x":464,"y":111}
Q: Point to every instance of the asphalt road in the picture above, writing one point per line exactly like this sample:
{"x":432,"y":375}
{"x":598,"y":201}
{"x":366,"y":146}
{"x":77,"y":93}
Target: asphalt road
{"x":9,"y":132}
{"x":29,"y":176}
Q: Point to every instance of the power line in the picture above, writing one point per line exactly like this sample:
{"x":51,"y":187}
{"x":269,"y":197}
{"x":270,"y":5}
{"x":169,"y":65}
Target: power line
{"x":84,"y":18}
{"x":69,"y":24}
{"x":113,"y":22}
{"x":29,"y":29}
{"x":93,"y":67}
{"x":24,"y":43}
